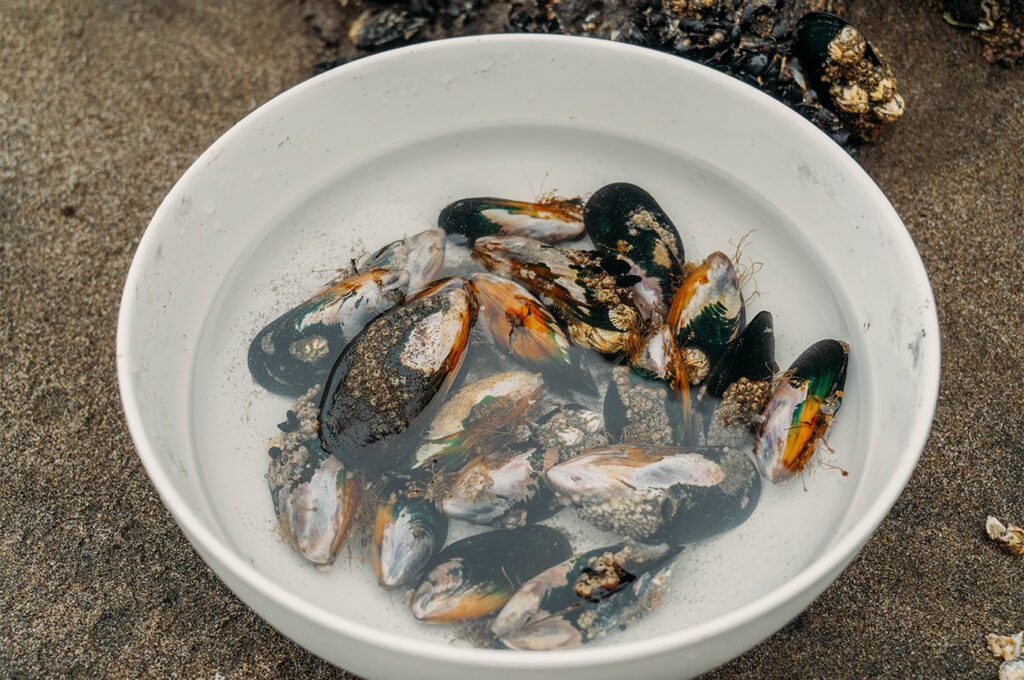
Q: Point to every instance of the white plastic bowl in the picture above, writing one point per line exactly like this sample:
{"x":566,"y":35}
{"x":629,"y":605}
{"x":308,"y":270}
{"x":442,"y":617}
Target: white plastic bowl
{"x":372,"y":150}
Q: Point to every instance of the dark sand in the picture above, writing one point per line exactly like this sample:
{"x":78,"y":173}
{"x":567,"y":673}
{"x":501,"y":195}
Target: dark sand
{"x":104,"y":104}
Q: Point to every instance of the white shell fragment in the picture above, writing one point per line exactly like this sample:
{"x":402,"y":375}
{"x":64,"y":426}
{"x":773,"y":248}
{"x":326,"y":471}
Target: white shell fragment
{"x":1012,"y":670}
{"x":1010,"y":537}
{"x":1006,"y":647}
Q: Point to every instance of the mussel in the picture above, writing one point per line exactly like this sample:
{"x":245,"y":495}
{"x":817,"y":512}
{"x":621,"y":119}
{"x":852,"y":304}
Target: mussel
{"x":585,"y":597}
{"x":849,"y":73}
{"x":750,"y":355}
{"x":655,"y":355}
{"x":407,"y":532}
{"x":504,"y":488}
{"x":390,"y":373}
{"x":659,"y":493}
{"x":299,"y":347}
{"x":521,"y":325}
{"x":314,"y":498}
{"x":800,"y":411}
{"x":624,"y":219}
{"x":477,"y":575}
{"x":421,"y":255}
{"x":550,"y":221}
{"x":738,"y":386}
{"x":477,"y":411}
{"x":707,"y":310}
{"x":590,"y":292}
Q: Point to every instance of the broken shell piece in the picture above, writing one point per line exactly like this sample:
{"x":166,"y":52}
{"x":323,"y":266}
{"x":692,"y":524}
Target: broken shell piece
{"x":1007,"y":647}
{"x":1012,"y":670}
{"x":1011,"y":538}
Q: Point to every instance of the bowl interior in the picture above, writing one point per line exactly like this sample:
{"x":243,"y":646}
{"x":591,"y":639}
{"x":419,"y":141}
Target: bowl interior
{"x":356,"y":158}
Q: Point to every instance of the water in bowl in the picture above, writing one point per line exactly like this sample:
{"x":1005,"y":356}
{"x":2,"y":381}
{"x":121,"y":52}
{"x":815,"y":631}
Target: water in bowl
{"x":402,"y":192}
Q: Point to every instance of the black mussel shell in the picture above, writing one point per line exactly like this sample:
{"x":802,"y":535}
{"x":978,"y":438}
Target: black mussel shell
{"x":716,"y":509}
{"x":751,"y":355}
{"x":814,"y":32}
{"x":477,"y":575}
{"x":607,"y":213}
{"x":387,"y":378}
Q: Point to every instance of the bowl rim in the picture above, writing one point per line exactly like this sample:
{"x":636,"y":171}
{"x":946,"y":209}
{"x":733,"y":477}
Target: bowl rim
{"x":835,"y":557}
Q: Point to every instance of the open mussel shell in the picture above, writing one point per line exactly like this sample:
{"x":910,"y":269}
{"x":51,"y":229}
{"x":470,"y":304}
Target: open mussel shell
{"x":402,"y":363}
{"x":298,"y":348}
{"x":659,"y":493}
{"x":521,"y":325}
{"x":624,"y":219}
{"x":800,"y":410}
{"x":549,"y":221}
{"x":407,"y":532}
{"x":707,"y":310}
{"x":477,"y":575}
{"x":504,"y":488}
{"x":584,"y":597}
{"x":751,"y":355}
{"x":474,"y":413}
{"x":421,"y":255}
{"x":590,"y":292}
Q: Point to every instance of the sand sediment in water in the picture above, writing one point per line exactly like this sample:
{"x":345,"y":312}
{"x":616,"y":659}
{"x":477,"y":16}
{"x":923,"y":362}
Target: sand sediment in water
{"x":103,"y":106}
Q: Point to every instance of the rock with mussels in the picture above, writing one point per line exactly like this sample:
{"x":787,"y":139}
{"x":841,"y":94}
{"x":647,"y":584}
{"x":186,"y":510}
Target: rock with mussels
{"x":585,"y":597}
{"x":550,"y":220}
{"x":624,"y":219}
{"x":314,"y":498}
{"x":476,"y":576}
{"x":403,"y":362}
{"x":407,"y":532}
{"x":800,"y":411}
{"x":659,"y":493}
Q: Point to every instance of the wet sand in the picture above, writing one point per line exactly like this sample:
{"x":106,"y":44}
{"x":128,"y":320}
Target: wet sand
{"x":104,"y":105}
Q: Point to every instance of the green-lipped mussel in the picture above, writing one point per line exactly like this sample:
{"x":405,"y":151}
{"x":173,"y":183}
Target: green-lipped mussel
{"x":708,"y":310}
{"x":314,"y":498}
{"x":659,"y":493}
{"x":391,"y":373}
{"x":407,"y":532}
{"x":624,"y":219}
{"x":421,"y":255}
{"x":550,"y":221}
{"x":800,"y":411}
{"x":504,"y":488}
{"x":477,"y":411}
{"x":299,"y":347}
{"x":590,"y":292}
{"x":585,"y":597}
{"x":477,"y":575}
{"x":522,"y":326}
